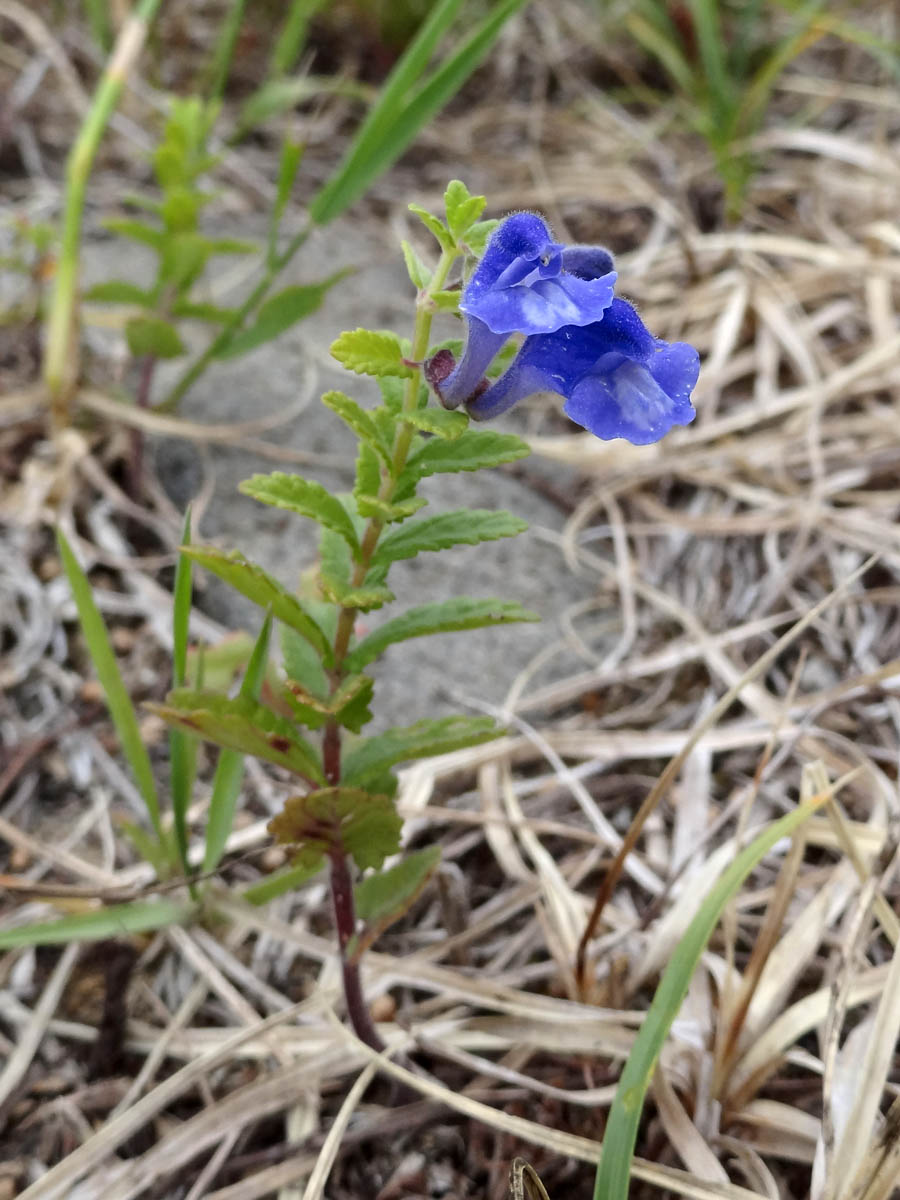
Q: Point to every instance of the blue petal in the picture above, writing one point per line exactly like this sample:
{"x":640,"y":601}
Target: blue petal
{"x":625,"y":400}
{"x":481,"y":347}
{"x":542,"y":305}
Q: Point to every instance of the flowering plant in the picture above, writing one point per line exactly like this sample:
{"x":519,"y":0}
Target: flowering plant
{"x":309,"y":717}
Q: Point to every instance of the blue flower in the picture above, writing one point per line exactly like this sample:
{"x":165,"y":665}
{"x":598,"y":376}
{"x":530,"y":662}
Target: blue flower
{"x":525,"y":283}
{"x":617,"y":379}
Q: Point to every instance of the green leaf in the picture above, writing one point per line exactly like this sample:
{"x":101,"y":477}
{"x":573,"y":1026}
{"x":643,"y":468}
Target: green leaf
{"x":471,"y":451}
{"x":614,"y":1168}
{"x":117,"y":291}
{"x":464,"y":526}
{"x":392,"y":394}
{"x":279,"y":313}
{"x":301,"y":662}
{"x":183,"y":259}
{"x":360,"y":422}
{"x":196,"y":310}
{"x":280,"y":882}
{"x":368,"y":352}
{"x":419,"y":272}
{"x":304,"y":497}
{"x":384,"y":897}
{"x":434,"y":226}
{"x":374,"y":755}
{"x":153,"y":335}
{"x":349,"y":704}
{"x":477,"y":237}
{"x":447,"y":425}
{"x":361,"y":824}
{"x":462,"y":208}
{"x":448,"y":616}
{"x":182,"y":747}
{"x":388,"y":511}
{"x":260,"y":587}
{"x":138,"y":917}
{"x":118,"y":701}
{"x":138,"y":231}
{"x":446,"y":301}
{"x":229,"y":774}
{"x":240,"y":724}
{"x":365,"y":598}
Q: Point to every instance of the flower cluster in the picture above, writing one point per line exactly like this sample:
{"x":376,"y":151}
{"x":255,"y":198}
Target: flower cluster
{"x":580,"y":341}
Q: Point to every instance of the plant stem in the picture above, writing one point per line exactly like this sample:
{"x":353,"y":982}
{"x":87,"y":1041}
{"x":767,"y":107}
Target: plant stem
{"x":341,"y":883}
{"x":61,"y":352}
{"x":345,"y":921}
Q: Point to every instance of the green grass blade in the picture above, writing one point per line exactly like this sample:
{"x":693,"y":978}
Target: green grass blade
{"x":117,"y":699}
{"x":431,"y":97}
{"x":182,"y":747}
{"x":223,"y":54}
{"x":98,"y":19}
{"x":138,"y":917}
{"x":713,"y":55}
{"x":230,"y":767}
{"x":614,"y":1168}
{"x":292,"y":38}
{"x":394,"y":121}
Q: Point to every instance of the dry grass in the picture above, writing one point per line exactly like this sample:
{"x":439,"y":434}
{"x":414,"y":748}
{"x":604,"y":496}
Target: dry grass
{"x":234,"y":1078}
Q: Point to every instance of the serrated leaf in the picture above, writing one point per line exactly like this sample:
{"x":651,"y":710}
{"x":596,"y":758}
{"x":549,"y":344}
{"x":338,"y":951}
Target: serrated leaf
{"x":383,"y":898}
{"x":434,"y":226}
{"x":366,"y":599}
{"x":260,"y":587}
{"x":462,"y":208}
{"x":448,"y":425}
{"x":369,"y":352}
{"x":364,"y":825}
{"x":305,"y":497}
{"x":471,"y":451}
{"x":349,"y":704}
{"x":388,"y":511}
{"x":301,"y":662}
{"x":463,"y":527}
{"x":449,"y":616}
{"x":279,"y":313}
{"x":371,"y":756}
{"x":153,"y":335}
{"x":419,"y":272}
{"x":360,"y":421}
{"x":138,"y":231}
{"x":368,"y":476}
{"x":240,"y":724}
{"x":477,"y":237}
{"x":117,"y":291}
